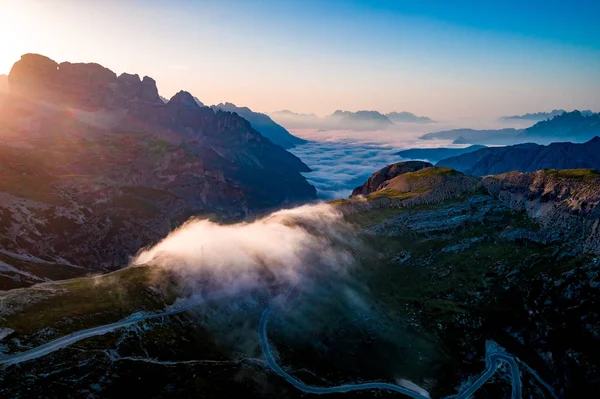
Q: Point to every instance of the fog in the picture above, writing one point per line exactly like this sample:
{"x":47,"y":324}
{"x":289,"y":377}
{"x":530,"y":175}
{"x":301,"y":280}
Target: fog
{"x":292,"y":246}
{"x":343,"y":160}
{"x":310,"y":248}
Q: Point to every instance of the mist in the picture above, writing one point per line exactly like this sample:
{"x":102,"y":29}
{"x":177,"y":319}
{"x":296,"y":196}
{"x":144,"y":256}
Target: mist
{"x":310,"y":249}
{"x":288,"y":247}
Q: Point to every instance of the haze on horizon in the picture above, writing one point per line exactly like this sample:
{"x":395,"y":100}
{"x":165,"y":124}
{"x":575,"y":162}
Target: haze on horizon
{"x":445,"y":61}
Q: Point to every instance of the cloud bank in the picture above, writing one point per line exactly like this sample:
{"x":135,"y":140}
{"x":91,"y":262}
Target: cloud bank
{"x":340,"y":166}
{"x":309,"y":248}
{"x":293,"y":246}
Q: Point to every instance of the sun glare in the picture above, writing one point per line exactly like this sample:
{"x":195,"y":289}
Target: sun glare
{"x":15,"y":34}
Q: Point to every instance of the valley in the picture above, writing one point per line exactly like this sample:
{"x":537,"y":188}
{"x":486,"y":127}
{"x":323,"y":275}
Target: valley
{"x":299,"y":199}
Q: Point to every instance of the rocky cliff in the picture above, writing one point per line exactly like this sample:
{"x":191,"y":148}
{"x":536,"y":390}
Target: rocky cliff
{"x":565,"y":203}
{"x":94,"y":166}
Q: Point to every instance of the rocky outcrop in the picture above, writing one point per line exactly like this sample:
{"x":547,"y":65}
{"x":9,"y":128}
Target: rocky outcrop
{"x":378,"y":178}
{"x":96,"y":166}
{"x":84,"y":86}
{"x":565,"y":203}
{"x":527,"y":158}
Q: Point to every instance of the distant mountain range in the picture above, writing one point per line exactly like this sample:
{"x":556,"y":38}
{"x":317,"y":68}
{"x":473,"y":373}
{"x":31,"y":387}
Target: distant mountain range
{"x":407,"y":117}
{"x":538,"y":116}
{"x":527,"y":158}
{"x":360,"y":120}
{"x":347,"y":120}
{"x":474,"y":136}
{"x":263,"y":124}
{"x":291,"y":114}
{"x":436,"y":154}
{"x":573,"y":126}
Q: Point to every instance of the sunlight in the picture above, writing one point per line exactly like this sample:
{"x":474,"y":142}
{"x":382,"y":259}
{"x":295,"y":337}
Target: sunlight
{"x":15,"y":34}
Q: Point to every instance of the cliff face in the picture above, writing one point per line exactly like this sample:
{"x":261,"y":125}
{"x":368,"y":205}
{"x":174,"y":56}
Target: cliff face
{"x":565,"y":203}
{"x":527,"y":158}
{"x":95,"y":166}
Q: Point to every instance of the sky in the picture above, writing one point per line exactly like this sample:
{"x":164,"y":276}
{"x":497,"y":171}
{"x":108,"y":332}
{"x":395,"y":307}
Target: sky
{"x":442,"y":59}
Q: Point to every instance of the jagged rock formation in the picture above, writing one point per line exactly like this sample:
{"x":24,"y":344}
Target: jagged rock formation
{"x":565,"y":203}
{"x":264,"y":125}
{"x":527,"y":158}
{"x":379,"y":178}
{"x":437,"y":154}
{"x":95,"y":166}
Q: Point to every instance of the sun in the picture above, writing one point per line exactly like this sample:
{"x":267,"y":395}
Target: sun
{"x":14,"y":36}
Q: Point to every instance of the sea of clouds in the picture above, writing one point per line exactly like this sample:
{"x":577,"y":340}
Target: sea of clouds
{"x":343,"y":160}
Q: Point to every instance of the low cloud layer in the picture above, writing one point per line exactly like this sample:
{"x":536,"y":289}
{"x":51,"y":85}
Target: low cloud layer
{"x":339,"y":167}
{"x":286,"y":247}
{"x":343,"y":160}
{"x":309,"y":248}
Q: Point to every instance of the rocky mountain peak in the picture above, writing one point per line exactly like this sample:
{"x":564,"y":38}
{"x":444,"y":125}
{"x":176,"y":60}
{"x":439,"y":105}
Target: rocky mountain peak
{"x":149,"y":91}
{"x":130,"y":79}
{"x":184,"y":98}
{"x":87,"y":86}
{"x":378,"y":178}
{"x":136,"y":166}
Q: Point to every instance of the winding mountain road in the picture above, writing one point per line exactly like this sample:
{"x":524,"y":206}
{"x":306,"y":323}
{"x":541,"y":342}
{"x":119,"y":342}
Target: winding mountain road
{"x":492,"y":360}
{"x":493,"y":357}
{"x":70,"y":339}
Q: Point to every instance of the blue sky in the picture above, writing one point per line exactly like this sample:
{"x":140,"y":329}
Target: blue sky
{"x":443,"y":59}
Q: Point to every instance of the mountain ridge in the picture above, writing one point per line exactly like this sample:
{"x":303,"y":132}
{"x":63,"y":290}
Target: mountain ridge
{"x":361,"y":120}
{"x":538,"y":116}
{"x":527,"y":157}
{"x":568,"y":126}
{"x":263,"y":124}
{"x":95,"y":166}
{"x":437,"y":154}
